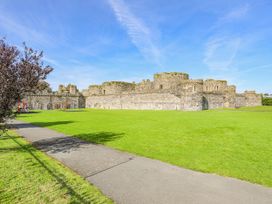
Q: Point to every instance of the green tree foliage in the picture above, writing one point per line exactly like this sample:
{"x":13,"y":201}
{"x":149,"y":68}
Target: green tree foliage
{"x":267,"y":101}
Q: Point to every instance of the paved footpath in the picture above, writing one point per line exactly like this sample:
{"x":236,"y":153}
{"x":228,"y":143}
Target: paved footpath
{"x":131,"y":179}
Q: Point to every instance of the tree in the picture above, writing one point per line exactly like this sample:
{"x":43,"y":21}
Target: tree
{"x":20,"y":73}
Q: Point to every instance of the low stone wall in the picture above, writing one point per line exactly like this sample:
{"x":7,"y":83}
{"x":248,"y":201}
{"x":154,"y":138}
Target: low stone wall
{"x":151,"y":101}
{"x":168,"y":101}
{"x":253,"y":99}
{"x":248,"y":99}
{"x":52,"y":101}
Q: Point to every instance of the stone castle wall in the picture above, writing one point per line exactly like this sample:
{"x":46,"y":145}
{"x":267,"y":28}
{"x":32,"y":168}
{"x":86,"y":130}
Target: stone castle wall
{"x":145,"y":101}
{"x":54,"y":101}
{"x":65,"y":98}
{"x":252,"y":99}
{"x":167,"y":91}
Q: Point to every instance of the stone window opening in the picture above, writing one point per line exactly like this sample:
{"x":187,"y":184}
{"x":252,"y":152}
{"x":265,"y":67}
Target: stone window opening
{"x":104,"y":92}
{"x":161,"y":86}
{"x":217,"y":88}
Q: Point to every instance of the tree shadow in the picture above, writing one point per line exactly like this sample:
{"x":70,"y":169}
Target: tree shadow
{"x":4,"y":137}
{"x":41,"y":124}
{"x":58,"y":176}
{"x":100,"y":137}
{"x":29,"y":112}
{"x":74,"y":110}
{"x":59,"y":144}
{"x":69,"y":144}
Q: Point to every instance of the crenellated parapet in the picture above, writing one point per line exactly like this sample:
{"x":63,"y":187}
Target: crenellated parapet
{"x":169,"y":80}
{"x":231,"y":89}
{"x":212,"y":85}
{"x":111,"y":87}
{"x":145,"y":86}
{"x":69,"y":89}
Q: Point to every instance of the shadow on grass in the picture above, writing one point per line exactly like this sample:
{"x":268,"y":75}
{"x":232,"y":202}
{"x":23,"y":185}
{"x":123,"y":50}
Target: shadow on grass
{"x":68,"y":144}
{"x":3,"y":137}
{"x":100,"y":137}
{"x":73,"y":110}
{"x":59,"y":144}
{"x":29,"y":112}
{"x":41,"y":124}
{"x":59,"y":177}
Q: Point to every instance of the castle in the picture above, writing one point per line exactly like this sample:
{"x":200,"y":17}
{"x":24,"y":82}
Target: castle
{"x":168,"y":91}
{"x":65,"y":98}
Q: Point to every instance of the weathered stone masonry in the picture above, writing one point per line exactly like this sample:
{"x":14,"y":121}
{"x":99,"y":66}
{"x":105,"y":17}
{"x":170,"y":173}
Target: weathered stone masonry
{"x":169,"y":91}
{"x":65,"y":97}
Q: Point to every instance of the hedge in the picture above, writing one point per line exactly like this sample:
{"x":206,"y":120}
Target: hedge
{"x":267,"y":101}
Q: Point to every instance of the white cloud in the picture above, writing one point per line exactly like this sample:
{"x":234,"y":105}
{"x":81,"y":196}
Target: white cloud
{"x":260,"y":67}
{"x":51,"y":61}
{"x":236,"y":13}
{"x":27,"y":34}
{"x":221,"y":49}
{"x":220,"y":52}
{"x":138,"y":32}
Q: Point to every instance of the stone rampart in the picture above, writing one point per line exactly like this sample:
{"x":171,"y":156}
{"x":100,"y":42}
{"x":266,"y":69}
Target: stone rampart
{"x":168,"y":91}
{"x":65,"y":98}
{"x":145,"y":101}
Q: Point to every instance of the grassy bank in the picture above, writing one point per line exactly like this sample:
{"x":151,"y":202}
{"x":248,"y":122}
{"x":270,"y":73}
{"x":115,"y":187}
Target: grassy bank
{"x":29,"y":176}
{"x":235,"y":143}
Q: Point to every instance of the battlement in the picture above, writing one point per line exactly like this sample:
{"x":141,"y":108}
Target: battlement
{"x":169,"y":80}
{"x":212,"y":85}
{"x":171,"y":75}
{"x":69,"y":89}
{"x":166,"y":82}
{"x":116,"y":83}
{"x":231,"y":89}
{"x":111,"y":87}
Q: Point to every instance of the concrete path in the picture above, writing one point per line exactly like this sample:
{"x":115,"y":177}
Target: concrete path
{"x":132,"y":179}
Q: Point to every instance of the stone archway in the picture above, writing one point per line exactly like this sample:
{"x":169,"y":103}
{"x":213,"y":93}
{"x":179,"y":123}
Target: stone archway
{"x":205,"y":103}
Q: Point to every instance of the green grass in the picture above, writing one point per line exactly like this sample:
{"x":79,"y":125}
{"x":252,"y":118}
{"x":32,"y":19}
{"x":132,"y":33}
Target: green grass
{"x":29,"y":176}
{"x":235,"y":143}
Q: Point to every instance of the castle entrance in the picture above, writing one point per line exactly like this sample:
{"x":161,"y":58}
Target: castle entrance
{"x":205,"y":103}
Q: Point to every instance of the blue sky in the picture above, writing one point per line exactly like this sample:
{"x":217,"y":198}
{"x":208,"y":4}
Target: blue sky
{"x":88,"y":42}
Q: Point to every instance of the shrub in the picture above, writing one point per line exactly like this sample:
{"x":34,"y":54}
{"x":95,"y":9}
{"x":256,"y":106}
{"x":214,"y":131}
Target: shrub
{"x":267,"y":101}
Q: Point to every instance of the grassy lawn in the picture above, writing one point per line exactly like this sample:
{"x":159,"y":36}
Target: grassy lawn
{"x":29,"y":176}
{"x":235,"y":143}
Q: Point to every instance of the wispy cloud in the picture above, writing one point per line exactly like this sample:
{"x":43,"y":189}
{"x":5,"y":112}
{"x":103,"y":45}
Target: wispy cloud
{"x":220,"y":52}
{"x":236,"y":13}
{"x":51,"y":61}
{"x":260,"y":67}
{"x":25,"y":33}
{"x":221,"y":49}
{"x":138,"y":32}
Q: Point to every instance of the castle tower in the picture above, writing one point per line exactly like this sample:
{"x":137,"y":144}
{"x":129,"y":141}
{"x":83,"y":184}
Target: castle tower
{"x":168,"y":80}
{"x":72,"y":89}
{"x":61,"y":88}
